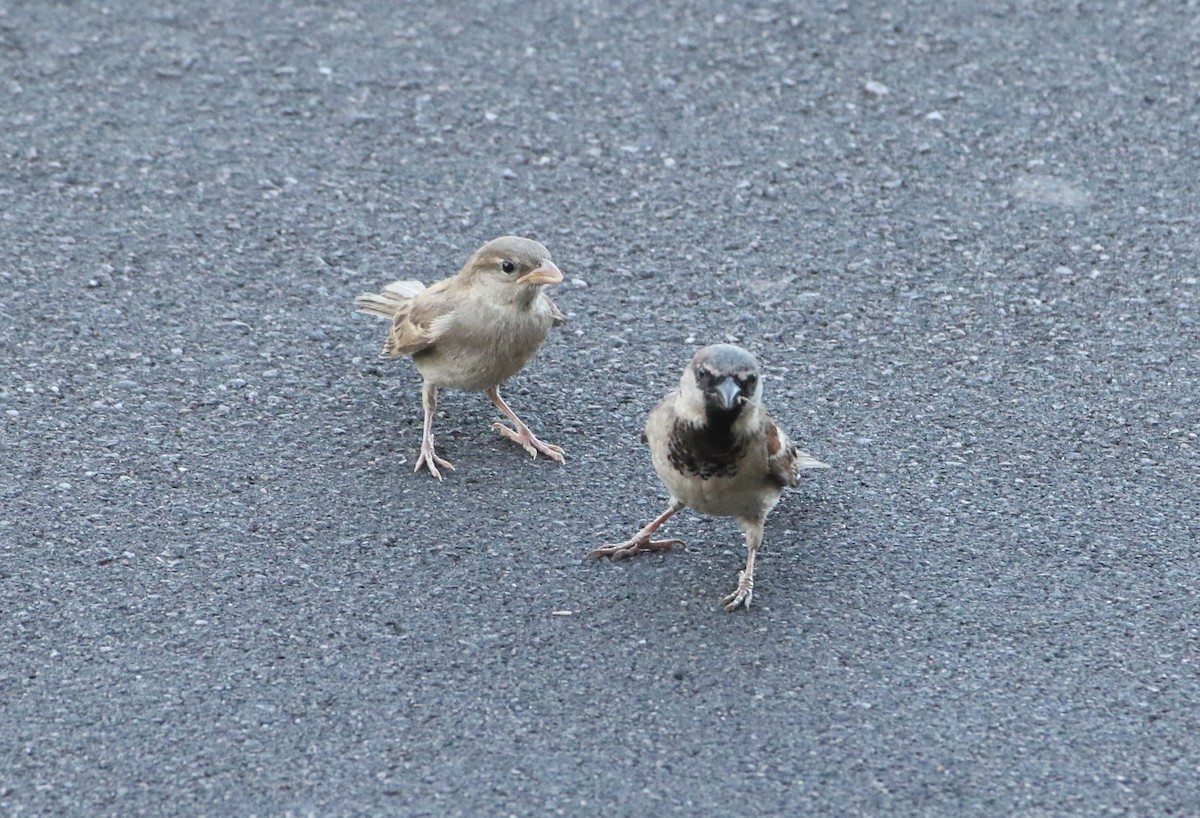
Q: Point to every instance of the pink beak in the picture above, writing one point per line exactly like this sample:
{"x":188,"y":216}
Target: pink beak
{"x":546,"y":274}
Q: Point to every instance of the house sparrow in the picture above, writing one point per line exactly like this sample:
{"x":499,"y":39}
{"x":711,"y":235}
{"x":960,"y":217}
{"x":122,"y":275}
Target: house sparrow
{"x":717,"y":451}
{"x":474,"y":331}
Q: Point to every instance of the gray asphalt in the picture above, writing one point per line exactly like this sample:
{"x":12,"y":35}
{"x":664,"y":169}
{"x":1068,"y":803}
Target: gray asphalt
{"x":963,"y":241}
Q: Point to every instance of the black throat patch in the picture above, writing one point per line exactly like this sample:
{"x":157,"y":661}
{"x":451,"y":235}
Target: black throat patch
{"x":708,"y":449}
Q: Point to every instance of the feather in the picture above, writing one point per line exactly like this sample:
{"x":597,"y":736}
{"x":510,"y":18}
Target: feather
{"x":559,"y":318}
{"x":405,"y":289}
{"x":784,"y":460}
{"x":419,"y":324}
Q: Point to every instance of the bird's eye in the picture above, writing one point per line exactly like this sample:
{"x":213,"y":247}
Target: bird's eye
{"x":751,"y":380}
{"x":507,"y":266}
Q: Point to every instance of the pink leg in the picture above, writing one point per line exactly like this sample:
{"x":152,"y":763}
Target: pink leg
{"x":641,"y":541}
{"x":428,"y":457}
{"x":522,"y":434}
{"x":744,"y":592}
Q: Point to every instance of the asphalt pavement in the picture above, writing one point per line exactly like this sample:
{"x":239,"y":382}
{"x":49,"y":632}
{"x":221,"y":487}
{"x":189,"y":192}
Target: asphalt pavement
{"x":962,"y":238}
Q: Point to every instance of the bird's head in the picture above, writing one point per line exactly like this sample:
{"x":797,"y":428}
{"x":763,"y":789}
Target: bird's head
{"x":515,"y":263}
{"x":722,"y":378}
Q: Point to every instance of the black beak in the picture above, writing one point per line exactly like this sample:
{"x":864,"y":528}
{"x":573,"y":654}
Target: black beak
{"x":728,"y":392}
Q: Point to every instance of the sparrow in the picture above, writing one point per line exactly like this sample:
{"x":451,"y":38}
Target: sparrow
{"x":718,"y":452}
{"x":473,"y":331}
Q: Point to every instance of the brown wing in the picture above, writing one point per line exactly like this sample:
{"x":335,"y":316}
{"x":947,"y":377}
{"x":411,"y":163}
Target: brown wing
{"x":419,"y":324}
{"x":781,"y":455}
{"x":559,"y":318}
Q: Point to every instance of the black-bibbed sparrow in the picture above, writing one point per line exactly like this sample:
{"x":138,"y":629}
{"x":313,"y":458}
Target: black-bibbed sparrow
{"x":718,"y":451}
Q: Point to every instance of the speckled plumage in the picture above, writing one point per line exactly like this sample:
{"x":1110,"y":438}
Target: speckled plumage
{"x":704,"y":450}
{"x":718,"y":451}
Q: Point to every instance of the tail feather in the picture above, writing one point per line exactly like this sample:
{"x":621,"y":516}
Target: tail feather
{"x":804,"y":460}
{"x":405,"y":289}
{"x":395,"y":297}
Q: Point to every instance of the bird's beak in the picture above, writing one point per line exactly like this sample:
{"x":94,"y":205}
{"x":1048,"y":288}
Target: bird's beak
{"x":546,"y":274}
{"x":729,"y":392}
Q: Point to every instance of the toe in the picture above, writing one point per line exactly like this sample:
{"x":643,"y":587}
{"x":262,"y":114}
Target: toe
{"x":739,"y":598}
{"x":614,"y":551}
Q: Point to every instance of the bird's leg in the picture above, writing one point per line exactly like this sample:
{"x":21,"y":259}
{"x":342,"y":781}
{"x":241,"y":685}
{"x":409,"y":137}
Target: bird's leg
{"x":522,"y":434}
{"x":641,"y":541}
{"x":741,"y":597}
{"x":428,"y":456}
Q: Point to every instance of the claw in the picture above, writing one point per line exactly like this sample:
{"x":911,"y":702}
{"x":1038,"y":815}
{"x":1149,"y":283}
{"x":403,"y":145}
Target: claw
{"x":742,"y":596}
{"x":429,"y":459}
{"x":530,"y":443}
{"x":620,"y":551}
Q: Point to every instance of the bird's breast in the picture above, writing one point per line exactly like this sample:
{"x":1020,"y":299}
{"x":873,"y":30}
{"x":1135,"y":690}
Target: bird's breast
{"x":713,"y":471}
{"x":704,"y":450}
{"x":485,"y":347}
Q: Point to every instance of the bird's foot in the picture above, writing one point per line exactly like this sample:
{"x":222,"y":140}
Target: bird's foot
{"x":620,"y":551}
{"x":430,"y":459}
{"x":742,"y":596}
{"x":530,"y":443}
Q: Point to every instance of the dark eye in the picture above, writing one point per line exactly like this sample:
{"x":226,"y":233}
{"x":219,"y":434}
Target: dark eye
{"x":751,"y":380}
{"x":507,"y":266}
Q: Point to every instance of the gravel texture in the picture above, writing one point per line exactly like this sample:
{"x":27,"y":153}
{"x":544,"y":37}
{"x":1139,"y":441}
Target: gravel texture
{"x":963,"y":241}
